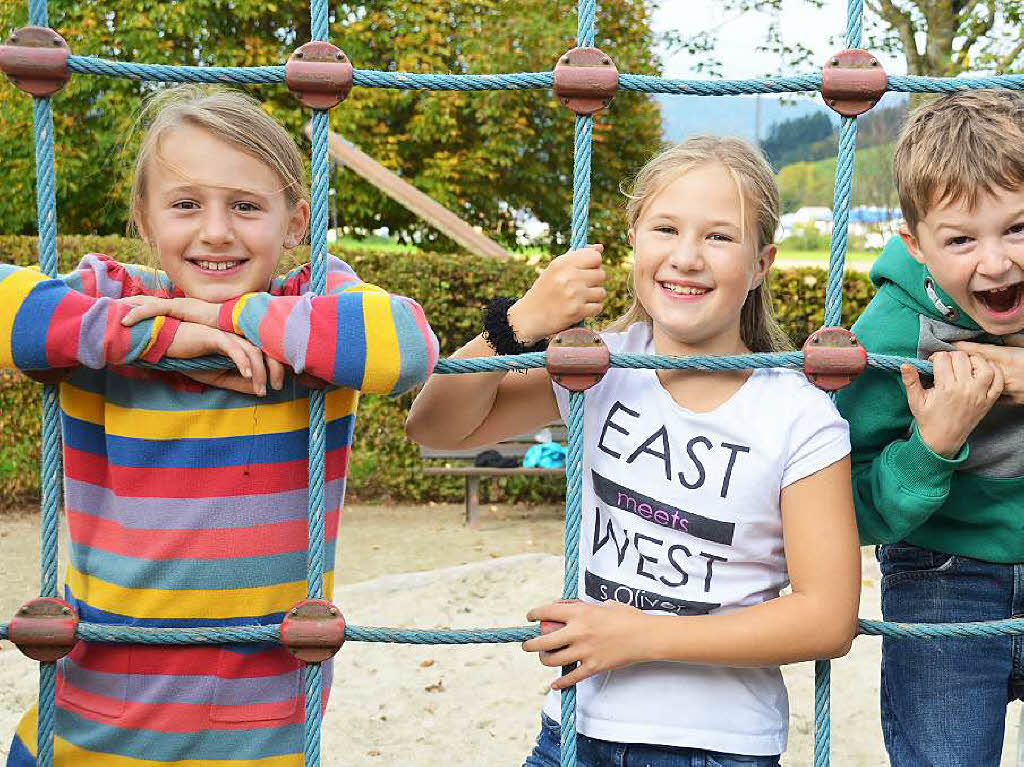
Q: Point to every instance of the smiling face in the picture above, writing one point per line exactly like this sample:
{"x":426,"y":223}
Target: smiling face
{"x":216,"y":216}
{"x":977,"y":256}
{"x":695,"y":261}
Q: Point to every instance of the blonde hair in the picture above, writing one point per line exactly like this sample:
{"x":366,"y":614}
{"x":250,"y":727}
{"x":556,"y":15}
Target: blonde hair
{"x":759,"y":330}
{"x":229,"y":115}
{"x":957,"y":147}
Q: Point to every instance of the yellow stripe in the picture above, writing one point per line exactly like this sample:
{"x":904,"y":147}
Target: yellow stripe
{"x":383,"y":359}
{"x":67,"y":754}
{"x":13,"y":290}
{"x":236,"y":312}
{"x":154,"y":332}
{"x":199,"y":424}
{"x":221,"y":603}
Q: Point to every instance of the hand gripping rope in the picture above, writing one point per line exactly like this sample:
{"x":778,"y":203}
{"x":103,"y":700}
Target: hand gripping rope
{"x":38,"y":61}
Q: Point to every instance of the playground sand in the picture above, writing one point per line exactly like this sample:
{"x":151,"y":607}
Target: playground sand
{"x":420,"y":567}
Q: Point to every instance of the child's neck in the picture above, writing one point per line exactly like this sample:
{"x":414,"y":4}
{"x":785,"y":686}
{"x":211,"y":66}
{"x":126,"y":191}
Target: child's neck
{"x":700,"y":391}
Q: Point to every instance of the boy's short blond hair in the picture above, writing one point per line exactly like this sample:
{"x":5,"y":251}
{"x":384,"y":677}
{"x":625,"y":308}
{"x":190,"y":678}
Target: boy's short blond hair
{"x":957,"y":147}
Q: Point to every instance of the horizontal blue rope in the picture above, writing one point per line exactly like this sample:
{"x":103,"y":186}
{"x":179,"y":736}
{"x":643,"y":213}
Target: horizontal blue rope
{"x":649,"y":361}
{"x":271,"y":634}
{"x":368,"y":78}
{"x":99,"y":632}
{"x":167,"y":73}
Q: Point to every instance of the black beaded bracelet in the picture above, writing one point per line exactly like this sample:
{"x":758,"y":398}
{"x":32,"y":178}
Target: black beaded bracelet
{"x":500,"y":335}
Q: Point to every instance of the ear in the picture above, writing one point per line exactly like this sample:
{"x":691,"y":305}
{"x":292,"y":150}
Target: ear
{"x":911,"y":243}
{"x":297,"y":222}
{"x":140,"y":224}
{"x":632,"y":237}
{"x":765,"y":259}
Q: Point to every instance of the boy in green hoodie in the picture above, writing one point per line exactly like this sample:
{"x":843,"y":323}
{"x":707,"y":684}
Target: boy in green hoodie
{"x":938,"y":467}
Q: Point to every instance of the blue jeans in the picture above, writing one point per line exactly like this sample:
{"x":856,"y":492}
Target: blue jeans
{"x":944,"y":700}
{"x":591,"y":752}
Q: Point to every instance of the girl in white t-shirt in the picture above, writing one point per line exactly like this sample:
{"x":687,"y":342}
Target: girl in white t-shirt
{"x":704,"y":494}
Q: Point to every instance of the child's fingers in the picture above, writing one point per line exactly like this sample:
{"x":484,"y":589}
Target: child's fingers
{"x":142,"y":310}
{"x":574,"y":677}
{"x":275,"y":372}
{"x":963,"y":370}
{"x":995,"y":388}
{"x":912,"y":383}
{"x":236,"y":351}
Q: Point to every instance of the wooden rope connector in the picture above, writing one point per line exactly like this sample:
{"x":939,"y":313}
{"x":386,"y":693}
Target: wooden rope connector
{"x":833,"y":357}
{"x":313,"y":630}
{"x":44,"y":629}
{"x":853,"y":81}
{"x":319,"y":75}
{"x":35,"y":60}
{"x":586,"y":80}
{"x":577,"y":359}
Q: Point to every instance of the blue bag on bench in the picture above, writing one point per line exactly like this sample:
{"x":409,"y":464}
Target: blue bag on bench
{"x":546,"y":455}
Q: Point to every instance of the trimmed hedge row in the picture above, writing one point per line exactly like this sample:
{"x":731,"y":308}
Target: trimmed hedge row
{"x":453,"y":289}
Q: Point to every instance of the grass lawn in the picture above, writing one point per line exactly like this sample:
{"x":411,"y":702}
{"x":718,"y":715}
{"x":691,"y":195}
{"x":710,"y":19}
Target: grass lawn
{"x":860,"y":258}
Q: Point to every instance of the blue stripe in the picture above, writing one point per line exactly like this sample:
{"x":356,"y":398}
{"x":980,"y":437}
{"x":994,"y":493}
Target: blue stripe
{"x":412,"y":349}
{"x":94,"y":615}
{"x":218,"y":452}
{"x":28,"y":335}
{"x":194,"y":574}
{"x":206,"y":745}
{"x":20,"y":756}
{"x":350,"y":342}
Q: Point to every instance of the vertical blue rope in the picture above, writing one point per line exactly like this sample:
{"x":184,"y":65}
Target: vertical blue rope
{"x":570,"y":588}
{"x":841,"y":198}
{"x":317,"y":399}
{"x":822,"y":712}
{"x":50,"y":467}
{"x":582,"y":152}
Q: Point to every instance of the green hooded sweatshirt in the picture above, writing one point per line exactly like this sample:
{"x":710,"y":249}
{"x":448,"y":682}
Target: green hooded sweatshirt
{"x":972,"y":504}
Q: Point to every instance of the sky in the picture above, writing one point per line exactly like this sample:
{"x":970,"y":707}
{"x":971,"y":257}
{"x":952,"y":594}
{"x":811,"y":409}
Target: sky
{"x":739,"y":34}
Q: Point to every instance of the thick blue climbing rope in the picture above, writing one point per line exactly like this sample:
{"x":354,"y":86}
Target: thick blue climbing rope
{"x":50,"y":478}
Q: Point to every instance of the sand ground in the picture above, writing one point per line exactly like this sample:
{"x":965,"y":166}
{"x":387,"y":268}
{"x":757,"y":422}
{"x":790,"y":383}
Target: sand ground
{"x":415,"y":705}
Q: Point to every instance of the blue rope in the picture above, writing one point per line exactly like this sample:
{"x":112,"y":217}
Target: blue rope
{"x":822,"y":712}
{"x":842,"y":197}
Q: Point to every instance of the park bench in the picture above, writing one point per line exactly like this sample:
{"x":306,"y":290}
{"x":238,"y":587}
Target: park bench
{"x":515,"y":447}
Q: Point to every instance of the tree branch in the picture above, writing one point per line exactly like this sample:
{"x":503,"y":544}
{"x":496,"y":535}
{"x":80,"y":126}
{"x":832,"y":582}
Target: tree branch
{"x":1007,"y":61}
{"x":903,"y":23}
{"x":976,"y":29}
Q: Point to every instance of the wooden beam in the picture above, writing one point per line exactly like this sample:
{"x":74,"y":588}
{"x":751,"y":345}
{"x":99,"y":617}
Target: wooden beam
{"x":397,"y":188}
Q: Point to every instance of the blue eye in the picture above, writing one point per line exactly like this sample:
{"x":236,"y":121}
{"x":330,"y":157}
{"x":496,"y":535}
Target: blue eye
{"x":186,"y":205}
{"x":955,"y":242}
{"x":1016,"y":228}
{"x":665,"y":229}
{"x":247,"y":207}
{"x":718,"y":236}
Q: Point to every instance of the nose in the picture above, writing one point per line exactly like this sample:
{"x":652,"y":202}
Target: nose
{"x":216,"y":226}
{"x":687,"y":256}
{"x":994,"y":259}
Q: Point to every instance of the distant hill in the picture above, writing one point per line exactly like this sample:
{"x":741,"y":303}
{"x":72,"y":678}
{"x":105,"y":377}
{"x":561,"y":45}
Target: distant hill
{"x":684,"y":116}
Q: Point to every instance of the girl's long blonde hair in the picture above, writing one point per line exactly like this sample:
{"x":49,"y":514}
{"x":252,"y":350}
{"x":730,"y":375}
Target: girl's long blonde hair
{"x":759,"y":330}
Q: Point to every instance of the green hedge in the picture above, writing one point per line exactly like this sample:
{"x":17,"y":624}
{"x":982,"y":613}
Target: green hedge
{"x":452,"y":289}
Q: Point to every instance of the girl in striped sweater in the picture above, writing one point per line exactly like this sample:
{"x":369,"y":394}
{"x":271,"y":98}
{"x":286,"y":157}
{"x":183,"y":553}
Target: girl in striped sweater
{"x":186,"y":495}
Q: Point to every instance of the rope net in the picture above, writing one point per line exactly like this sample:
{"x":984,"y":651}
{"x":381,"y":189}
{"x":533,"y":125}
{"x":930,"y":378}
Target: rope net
{"x":51,"y":450}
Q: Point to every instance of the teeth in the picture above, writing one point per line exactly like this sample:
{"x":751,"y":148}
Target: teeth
{"x":217,"y":266}
{"x":684,"y":291}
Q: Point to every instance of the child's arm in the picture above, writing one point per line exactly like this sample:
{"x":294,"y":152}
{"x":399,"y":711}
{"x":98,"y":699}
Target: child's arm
{"x":907,"y":440}
{"x":357,"y":336}
{"x":817,"y":620}
{"x":466,"y":411}
{"x":59,"y":323}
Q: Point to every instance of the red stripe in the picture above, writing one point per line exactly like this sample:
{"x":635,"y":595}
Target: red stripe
{"x":62,"y":336}
{"x":213,"y":543}
{"x":421,"y":323}
{"x":224,"y":482}
{"x":323,"y":332}
{"x":190,"y":717}
{"x":182,"y":661}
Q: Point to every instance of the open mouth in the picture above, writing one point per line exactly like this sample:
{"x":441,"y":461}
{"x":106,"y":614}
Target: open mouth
{"x":690,"y":291}
{"x":1005,"y":300}
{"x":216,"y":267}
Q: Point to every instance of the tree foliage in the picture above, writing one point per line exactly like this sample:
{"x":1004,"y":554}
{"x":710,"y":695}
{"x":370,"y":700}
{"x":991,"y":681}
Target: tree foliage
{"x":810,"y":137}
{"x":936,"y":37}
{"x":486,"y":155}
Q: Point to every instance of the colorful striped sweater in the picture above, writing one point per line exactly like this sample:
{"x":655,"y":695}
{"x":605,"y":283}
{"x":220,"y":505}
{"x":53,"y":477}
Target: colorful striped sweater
{"x":187,"y":504}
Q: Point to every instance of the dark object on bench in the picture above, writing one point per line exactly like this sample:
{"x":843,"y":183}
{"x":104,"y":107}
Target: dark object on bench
{"x":510,"y":450}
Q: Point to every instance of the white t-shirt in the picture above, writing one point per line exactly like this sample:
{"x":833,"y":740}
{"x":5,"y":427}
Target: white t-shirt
{"x":681,"y":516}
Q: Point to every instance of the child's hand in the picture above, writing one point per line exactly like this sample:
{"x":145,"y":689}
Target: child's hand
{"x":196,"y":340}
{"x":1009,"y":359}
{"x":596,"y":637}
{"x":567,"y":291}
{"x":966,"y":387}
{"x":184,"y":309}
